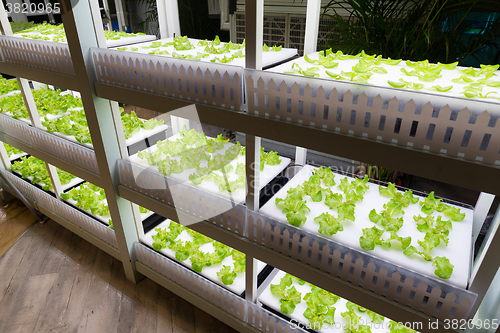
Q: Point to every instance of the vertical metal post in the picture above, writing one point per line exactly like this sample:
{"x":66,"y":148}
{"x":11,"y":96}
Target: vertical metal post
{"x":4,"y":156}
{"x":17,"y":15}
{"x":29,"y":102}
{"x":300,"y":155}
{"x":105,"y":5}
{"x":102,"y":119}
{"x":251,"y":279}
{"x":120,"y":14}
{"x":172,"y":15}
{"x":51,"y":14}
{"x":481,"y":210}
{"x":312,"y":26}
{"x":54,"y":178}
{"x":96,"y":19}
{"x":486,"y":264}
{"x":4,"y":21}
{"x":162,"y":19}
{"x":489,"y":309}
{"x":254,"y":24}
{"x":252,"y":147}
{"x":310,"y":46}
{"x":232,"y":28}
{"x":168,"y":18}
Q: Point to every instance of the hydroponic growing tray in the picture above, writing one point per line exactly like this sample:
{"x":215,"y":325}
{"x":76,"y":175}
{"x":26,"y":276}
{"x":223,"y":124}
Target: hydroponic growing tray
{"x":238,"y":285}
{"x":267,"y":175}
{"x":268,"y":58}
{"x":74,"y":182}
{"x":109,"y":42}
{"x":14,"y":157}
{"x":103,"y":219}
{"x":139,"y":140}
{"x":458,"y":251}
{"x":394,"y":74}
{"x":297,"y":316}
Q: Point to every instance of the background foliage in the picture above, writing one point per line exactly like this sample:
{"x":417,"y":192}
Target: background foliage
{"x":437,"y":30}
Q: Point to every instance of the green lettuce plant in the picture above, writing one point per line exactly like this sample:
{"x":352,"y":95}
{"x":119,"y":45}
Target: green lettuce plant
{"x":12,"y":150}
{"x":184,"y":250}
{"x":294,"y":206}
{"x":7,"y":86}
{"x":320,"y":307}
{"x":89,"y":197}
{"x":288,"y":294}
{"x":36,"y":168}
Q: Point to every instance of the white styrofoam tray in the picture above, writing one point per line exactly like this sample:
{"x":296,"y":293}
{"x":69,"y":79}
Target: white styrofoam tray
{"x":394,"y":74}
{"x":139,"y":136}
{"x":268,"y":174}
{"x":109,"y":42}
{"x":459,"y":246}
{"x":105,"y":219}
{"x":268,"y":58}
{"x":210,"y":272}
{"x":297,"y":316}
{"x":73,"y":182}
{"x":16,"y":156}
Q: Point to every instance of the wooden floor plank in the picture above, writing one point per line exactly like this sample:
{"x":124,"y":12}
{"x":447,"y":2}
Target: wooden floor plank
{"x":56,"y":252}
{"x":183,"y":319}
{"x":9,"y":263}
{"x":50,"y":317}
{"x":54,"y":281}
{"x":28,"y":302}
{"x":147,"y":297}
{"x":108,"y":318}
{"x":73,"y":313}
{"x":164,"y":311}
{"x":14,"y":221}
{"x":138,"y":307}
{"x":94,"y":305}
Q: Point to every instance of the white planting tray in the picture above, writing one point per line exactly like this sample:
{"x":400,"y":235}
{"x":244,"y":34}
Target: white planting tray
{"x":458,"y":251}
{"x":137,"y":137}
{"x":10,"y":93}
{"x":109,"y":43}
{"x":105,"y":219}
{"x":268,"y":174}
{"x":268,"y":58}
{"x":394,"y":74}
{"x":238,"y":286}
{"x":16,"y":156}
{"x":273,"y":302}
{"x":73,"y":182}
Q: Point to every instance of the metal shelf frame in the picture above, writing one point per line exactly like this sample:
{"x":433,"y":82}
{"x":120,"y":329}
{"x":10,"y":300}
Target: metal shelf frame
{"x":84,"y":31}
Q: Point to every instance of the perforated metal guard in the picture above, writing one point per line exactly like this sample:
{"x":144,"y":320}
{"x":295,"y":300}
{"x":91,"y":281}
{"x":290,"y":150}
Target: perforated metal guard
{"x":266,"y":321}
{"x":27,"y":190}
{"x":65,"y":150}
{"x":455,"y":127}
{"x":417,"y":291}
{"x":209,"y":291}
{"x":201,"y":82}
{"x":188,"y":199}
{"x":57,"y":207}
{"x":49,"y":56}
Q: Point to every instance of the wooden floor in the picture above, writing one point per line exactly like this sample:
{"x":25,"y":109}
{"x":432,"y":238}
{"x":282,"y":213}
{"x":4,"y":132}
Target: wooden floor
{"x":52,"y":280}
{"x":14,"y":221}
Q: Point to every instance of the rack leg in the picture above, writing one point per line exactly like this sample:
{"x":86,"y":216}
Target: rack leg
{"x":22,"y":198}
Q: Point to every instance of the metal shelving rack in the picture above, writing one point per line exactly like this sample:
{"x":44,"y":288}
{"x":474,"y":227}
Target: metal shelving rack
{"x":103,"y":77}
